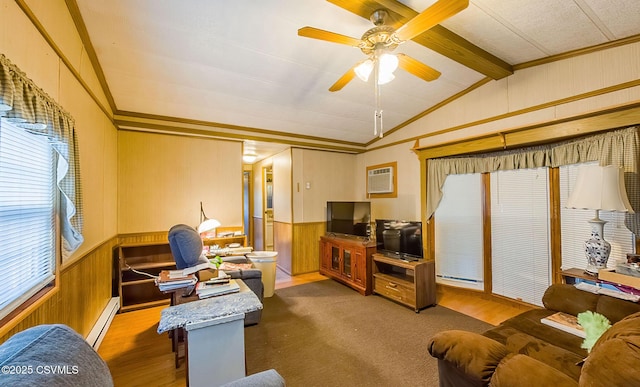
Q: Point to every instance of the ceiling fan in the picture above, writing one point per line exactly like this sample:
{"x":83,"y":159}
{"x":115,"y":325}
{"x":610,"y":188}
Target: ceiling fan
{"x":378,"y":43}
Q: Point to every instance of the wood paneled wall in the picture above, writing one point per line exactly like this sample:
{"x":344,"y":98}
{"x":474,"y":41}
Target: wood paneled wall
{"x":180,"y":172}
{"x":258,"y":234}
{"x":83,"y":291}
{"x":305,"y":250}
{"x":282,"y":236}
{"x":144,"y":237}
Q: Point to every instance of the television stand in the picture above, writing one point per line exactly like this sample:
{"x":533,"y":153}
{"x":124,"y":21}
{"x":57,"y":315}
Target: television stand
{"x":403,"y":258}
{"x":411,"y":283}
{"x":347,"y":260}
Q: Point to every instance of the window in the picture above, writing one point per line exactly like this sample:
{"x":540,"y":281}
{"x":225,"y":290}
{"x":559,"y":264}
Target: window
{"x":521,"y":253}
{"x":27,"y":215}
{"x":520,"y":202}
{"x":40,"y":192}
{"x":458,"y":232}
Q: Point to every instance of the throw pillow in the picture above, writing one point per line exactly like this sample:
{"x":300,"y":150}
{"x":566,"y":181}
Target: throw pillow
{"x":594,"y":325}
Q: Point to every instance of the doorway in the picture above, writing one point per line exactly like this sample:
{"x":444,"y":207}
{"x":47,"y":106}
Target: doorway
{"x":267,"y":195}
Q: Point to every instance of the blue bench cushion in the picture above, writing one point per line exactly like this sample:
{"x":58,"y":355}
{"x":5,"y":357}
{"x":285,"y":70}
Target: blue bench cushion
{"x":51,"y":355}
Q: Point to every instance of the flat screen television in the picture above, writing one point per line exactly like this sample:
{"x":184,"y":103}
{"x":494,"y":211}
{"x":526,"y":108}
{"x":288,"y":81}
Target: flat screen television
{"x":349,"y":218}
{"x":399,"y":239}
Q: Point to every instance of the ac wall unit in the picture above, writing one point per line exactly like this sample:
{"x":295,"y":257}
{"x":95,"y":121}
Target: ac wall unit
{"x":380,"y":180}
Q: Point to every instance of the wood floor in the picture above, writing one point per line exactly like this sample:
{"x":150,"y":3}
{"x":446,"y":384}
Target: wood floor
{"x":138,"y":356}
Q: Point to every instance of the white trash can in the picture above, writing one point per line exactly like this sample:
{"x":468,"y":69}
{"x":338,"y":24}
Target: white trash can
{"x":265,"y":261}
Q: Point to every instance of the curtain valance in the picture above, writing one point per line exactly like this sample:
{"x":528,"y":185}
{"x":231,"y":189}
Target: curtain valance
{"x":618,"y":147}
{"x":29,"y":107}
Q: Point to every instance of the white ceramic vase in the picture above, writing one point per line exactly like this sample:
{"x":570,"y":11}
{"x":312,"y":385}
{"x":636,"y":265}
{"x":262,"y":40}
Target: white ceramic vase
{"x":596,"y":249}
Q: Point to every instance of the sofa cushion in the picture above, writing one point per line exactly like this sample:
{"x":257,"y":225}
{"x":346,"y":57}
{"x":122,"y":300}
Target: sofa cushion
{"x":615,"y":356}
{"x":51,"y":355}
{"x":568,"y":299}
{"x":473,"y":354}
{"x":625,"y":328}
{"x":615,"y":309}
{"x":528,"y":372}
{"x":529,"y":323}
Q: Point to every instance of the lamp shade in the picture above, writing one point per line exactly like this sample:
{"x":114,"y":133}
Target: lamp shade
{"x":388,"y":63}
{"x":208,"y":225}
{"x":600,"y":188}
{"x":363,"y":70}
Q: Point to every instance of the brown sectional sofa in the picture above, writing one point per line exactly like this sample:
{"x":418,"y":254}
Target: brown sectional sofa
{"x":524,"y":352}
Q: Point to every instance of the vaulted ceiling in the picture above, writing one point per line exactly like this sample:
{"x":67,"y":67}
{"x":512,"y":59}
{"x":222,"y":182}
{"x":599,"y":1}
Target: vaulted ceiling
{"x":239,"y":69}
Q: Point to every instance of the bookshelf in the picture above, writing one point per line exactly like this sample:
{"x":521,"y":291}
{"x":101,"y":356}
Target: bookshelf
{"x":137,"y":291}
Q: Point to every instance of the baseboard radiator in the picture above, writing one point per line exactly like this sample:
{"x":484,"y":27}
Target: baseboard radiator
{"x":460,"y":282}
{"x":101,"y":326}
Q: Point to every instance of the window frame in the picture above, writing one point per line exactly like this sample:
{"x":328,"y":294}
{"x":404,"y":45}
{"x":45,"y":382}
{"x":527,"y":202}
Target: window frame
{"x":451,"y":251}
{"x":47,"y":288}
{"x":523,"y":281}
{"x":554,"y":240}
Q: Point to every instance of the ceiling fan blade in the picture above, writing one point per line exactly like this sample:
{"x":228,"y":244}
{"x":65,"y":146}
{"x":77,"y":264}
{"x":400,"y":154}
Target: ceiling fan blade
{"x":316,"y":33}
{"x":417,"y":68}
{"x":342,"y":82}
{"x":438,"y":12}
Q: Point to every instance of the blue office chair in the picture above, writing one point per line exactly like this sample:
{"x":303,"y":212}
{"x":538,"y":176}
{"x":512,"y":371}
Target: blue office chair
{"x":186,"y":246}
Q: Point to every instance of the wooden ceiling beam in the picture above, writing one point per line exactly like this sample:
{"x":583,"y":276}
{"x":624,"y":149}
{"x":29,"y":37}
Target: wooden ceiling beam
{"x":437,"y":38}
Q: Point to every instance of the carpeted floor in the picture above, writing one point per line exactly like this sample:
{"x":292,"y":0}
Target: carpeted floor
{"x":326,"y":334}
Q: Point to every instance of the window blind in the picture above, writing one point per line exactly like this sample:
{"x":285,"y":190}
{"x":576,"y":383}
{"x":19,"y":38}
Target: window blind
{"x":521,"y":258}
{"x":458,"y":232}
{"x":27,"y":215}
{"x":576,"y":230}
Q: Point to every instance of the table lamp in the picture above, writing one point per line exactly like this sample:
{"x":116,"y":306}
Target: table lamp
{"x":600,"y":189}
{"x":207,"y":224}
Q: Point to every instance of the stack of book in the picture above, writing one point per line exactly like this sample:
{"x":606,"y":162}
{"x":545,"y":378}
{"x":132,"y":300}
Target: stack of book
{"x":231,"y":266}
{"x":565,"y":322}
{"x":197,"y":268}
{"x":216,"y":287}
{"x":169,"y":280}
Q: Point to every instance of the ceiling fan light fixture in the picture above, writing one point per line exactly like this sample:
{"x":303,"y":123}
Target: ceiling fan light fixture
{"x":363,"y":70}
{"x":378,"y":42}
{"x":388,"y":63}
{"x":385,"y":78}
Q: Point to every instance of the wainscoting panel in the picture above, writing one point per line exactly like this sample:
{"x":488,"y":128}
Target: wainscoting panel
{"x":306,"y":251}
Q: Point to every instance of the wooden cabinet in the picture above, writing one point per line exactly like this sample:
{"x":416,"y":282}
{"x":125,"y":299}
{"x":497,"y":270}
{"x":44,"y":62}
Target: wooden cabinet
{"x":223,"y":242}
{"x":411,"y":283}
{"x":347,"y":260}
{"x":136,"y":290}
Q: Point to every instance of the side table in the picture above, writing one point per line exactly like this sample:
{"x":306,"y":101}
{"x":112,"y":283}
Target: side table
{"x":574,"y":275}
{"x":214,"y":335}
{"x":215,"y":350}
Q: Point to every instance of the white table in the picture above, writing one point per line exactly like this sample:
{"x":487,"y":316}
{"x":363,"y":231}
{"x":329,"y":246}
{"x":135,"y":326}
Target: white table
{"x":214,"y":335}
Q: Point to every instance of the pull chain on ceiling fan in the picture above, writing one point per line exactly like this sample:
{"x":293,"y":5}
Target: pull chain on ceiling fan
{"x":379,"y":42}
